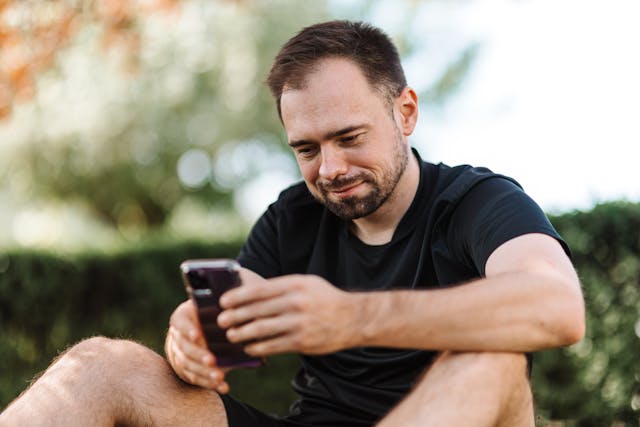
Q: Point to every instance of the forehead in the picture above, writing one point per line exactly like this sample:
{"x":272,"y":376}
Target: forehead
{"x":336,"y":93}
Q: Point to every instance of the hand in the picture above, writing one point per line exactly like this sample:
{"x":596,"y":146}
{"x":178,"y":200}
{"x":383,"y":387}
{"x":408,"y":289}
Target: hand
{"x":297,"y":313}
{"x":187,"y":351}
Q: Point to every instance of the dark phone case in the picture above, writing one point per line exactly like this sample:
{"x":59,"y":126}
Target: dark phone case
{"x":206,"y":281}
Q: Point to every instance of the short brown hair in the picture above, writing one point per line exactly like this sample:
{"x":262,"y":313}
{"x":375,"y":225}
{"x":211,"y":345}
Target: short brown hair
{"x":369,"y":47}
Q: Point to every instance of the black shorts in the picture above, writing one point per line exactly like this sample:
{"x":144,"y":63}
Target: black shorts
{"x":243,"y":415}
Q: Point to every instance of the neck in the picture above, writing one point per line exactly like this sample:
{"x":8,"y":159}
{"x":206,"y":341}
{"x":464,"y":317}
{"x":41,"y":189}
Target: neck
{"x":379,"y":227}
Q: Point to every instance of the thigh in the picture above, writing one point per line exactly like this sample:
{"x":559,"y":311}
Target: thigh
{"x":481,"y":389}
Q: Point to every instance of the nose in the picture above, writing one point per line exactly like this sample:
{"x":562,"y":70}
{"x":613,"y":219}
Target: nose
{"x":333,"y":163}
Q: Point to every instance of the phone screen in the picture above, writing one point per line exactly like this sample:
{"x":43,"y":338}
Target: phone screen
{"x":205,"y":281}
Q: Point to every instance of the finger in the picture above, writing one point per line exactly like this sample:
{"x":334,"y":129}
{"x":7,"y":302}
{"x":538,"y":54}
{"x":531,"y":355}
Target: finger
{"x":196,"y":351}
{"x":248,"y":276}
{"x":211,"y":378}
{"x":245,"y":313}
{"x":261,"y":329}
{"x":256,"y":290}
{"x":185,"y":320}
{"x":272,"y":346}
{"x":194,"y":370}
{"x":292,"y":280}
{"x":222,"y":388}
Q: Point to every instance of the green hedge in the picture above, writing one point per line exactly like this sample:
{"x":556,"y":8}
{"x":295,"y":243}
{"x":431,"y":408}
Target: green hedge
{"x":49,"y":301}
{"x":597,"y":381}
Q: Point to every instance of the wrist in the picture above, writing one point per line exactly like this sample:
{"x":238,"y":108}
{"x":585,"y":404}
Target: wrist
{"x":368,"y":309}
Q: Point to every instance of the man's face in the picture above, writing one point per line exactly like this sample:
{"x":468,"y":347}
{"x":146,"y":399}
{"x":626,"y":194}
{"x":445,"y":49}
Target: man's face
{"x":349,"y":149}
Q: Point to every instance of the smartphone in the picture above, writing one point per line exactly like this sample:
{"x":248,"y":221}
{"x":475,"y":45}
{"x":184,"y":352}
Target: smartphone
{"x":205,"y":281}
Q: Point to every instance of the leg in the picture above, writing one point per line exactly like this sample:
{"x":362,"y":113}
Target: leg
{"x":461,"y":389}
{"x":104,"y":382}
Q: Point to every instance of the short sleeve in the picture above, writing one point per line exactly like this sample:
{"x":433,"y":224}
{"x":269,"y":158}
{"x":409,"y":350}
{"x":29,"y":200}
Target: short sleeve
{"x":492,"y":212}
{"x":260,"y":251}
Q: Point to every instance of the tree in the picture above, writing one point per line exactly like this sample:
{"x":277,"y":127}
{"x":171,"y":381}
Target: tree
{"x":175,"y":91}
{"x":32,"y":34}
{"x":145,"y":106}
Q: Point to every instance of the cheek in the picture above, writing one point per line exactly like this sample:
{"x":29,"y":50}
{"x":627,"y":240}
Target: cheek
{"x":309,"y":171}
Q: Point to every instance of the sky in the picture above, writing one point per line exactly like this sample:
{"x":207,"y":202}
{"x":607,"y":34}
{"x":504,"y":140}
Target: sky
{"x":552,"y":98}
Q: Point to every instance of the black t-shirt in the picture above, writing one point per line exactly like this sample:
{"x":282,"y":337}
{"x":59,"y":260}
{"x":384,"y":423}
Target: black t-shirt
{"x":458,"y":217}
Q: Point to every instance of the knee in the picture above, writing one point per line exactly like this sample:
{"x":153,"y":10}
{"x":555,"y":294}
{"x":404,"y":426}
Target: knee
{"x":506,"y":378}
{"x":509,"y":368}
{"x":507,"y":363}
{"x":97,"y":350}
{"x":100,"y":357}
{"x":506,"y":373}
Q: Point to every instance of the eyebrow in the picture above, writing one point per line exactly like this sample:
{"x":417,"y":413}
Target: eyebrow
{"x":329,"y":135}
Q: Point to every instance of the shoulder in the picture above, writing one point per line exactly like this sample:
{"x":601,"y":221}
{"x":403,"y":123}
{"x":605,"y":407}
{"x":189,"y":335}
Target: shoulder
{"x":454,"y":182}
{"x":475,"y":193}
{"x":448,"y":185}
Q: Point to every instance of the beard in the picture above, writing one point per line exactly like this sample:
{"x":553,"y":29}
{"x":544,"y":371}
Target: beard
{"x":357,"y":207}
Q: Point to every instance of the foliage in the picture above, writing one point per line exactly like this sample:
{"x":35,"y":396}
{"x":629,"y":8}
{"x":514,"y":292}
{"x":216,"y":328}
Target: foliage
{"x":598,"y":380}
{"x":32,"y":34}
{"x":48,"y":302}
{"x":132,"y":138}
{"x":141,"y":108}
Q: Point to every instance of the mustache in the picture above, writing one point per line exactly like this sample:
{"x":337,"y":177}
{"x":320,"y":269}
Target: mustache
{"x":343,"y":182}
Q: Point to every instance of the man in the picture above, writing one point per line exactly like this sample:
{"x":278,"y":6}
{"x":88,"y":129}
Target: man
{"x":363,"y":260}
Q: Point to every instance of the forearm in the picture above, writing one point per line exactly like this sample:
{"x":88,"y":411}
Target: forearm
{"x":507,"y":312}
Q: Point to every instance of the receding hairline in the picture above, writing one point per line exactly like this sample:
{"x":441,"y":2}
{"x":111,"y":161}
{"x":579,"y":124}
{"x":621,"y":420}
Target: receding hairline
{"x":301,"y":81}
{"x":369,"y":47}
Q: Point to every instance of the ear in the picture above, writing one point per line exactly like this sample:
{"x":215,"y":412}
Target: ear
{"x":407,"y":107}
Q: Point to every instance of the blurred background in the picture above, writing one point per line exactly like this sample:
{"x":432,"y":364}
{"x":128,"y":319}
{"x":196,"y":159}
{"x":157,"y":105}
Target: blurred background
{"x":123,"y":118}
{"x":146,"y":123}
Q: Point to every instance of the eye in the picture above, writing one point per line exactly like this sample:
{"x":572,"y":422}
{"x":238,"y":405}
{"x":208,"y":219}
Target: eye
{"x":349,"y":139}
{"x":305,"y":152}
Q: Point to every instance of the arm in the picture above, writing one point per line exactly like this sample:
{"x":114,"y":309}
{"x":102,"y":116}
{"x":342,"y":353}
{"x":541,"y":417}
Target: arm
{"x":530,"y":300}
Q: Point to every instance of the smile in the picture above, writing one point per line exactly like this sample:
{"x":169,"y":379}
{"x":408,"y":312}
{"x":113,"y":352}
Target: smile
{"x":345,"y":191}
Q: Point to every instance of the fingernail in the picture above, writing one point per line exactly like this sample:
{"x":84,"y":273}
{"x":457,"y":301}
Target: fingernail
{"x":214,"y":375}
{"x":222,"y":318}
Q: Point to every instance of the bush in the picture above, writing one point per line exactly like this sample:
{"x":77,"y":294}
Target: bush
{"x":597,"y":381}
{"x":48,"y":302}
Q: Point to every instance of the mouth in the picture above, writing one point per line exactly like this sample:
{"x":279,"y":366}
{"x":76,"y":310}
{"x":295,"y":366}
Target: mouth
{"x":345,"y":191}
